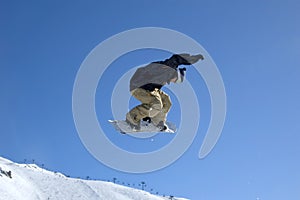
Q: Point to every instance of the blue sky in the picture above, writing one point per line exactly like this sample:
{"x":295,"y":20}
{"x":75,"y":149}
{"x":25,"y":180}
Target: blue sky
{"x":255,"y":44}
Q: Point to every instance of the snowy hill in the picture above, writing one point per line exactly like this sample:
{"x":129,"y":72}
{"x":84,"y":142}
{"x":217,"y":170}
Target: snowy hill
{"x":30,"y":182}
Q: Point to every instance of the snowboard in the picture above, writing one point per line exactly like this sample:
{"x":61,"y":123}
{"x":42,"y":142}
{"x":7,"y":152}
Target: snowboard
{"x":123,"y":127}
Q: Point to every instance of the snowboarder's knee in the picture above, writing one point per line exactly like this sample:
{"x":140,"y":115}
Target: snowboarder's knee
{"x":155,"y":109}
{"x":157,"y":106}
{"x":168,"y":103}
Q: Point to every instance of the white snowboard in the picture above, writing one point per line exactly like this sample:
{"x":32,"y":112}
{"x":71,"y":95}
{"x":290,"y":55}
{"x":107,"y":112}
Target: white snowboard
{"x":123,"y":127}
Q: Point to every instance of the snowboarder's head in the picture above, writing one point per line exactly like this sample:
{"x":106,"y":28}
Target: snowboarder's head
{"x":183,"y":59}
{"x":189,"y":59}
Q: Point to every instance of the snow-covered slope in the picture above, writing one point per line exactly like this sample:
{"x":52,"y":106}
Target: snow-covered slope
{"x":30,"y":182}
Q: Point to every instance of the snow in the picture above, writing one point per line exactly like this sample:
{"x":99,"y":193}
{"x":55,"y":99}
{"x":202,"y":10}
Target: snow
{"x":30,"y":182}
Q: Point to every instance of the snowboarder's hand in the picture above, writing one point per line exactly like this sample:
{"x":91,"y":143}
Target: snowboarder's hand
{"x":182,"y":71}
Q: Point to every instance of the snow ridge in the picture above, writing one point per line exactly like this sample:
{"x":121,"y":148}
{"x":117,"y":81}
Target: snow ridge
{"x":30,"y":182}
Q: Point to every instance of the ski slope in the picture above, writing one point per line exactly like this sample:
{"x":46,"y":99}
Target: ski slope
{"x":30,"y":182}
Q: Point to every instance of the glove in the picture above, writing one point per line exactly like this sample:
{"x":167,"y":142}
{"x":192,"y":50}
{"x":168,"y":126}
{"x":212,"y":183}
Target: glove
{"x":180,"y":75}
{"x":182,"y":71}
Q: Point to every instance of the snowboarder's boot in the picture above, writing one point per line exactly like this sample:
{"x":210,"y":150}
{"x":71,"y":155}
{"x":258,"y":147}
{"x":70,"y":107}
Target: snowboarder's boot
{"x":162,"y":126}
{"x":134,"y":124}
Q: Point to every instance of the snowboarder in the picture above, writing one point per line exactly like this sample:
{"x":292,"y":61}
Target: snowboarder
{"x":146,"y":84}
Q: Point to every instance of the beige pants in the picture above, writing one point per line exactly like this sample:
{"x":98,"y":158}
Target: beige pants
{"x":155,"y":104}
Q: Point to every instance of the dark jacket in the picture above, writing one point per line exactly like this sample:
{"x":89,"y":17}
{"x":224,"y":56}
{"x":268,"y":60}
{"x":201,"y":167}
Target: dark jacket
{"x":157,"y":74}
{"x":152,"y":76}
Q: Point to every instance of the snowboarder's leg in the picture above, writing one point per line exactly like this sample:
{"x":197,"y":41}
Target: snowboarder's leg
{"x":150,"y":107}
{"x":161,"y":117}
